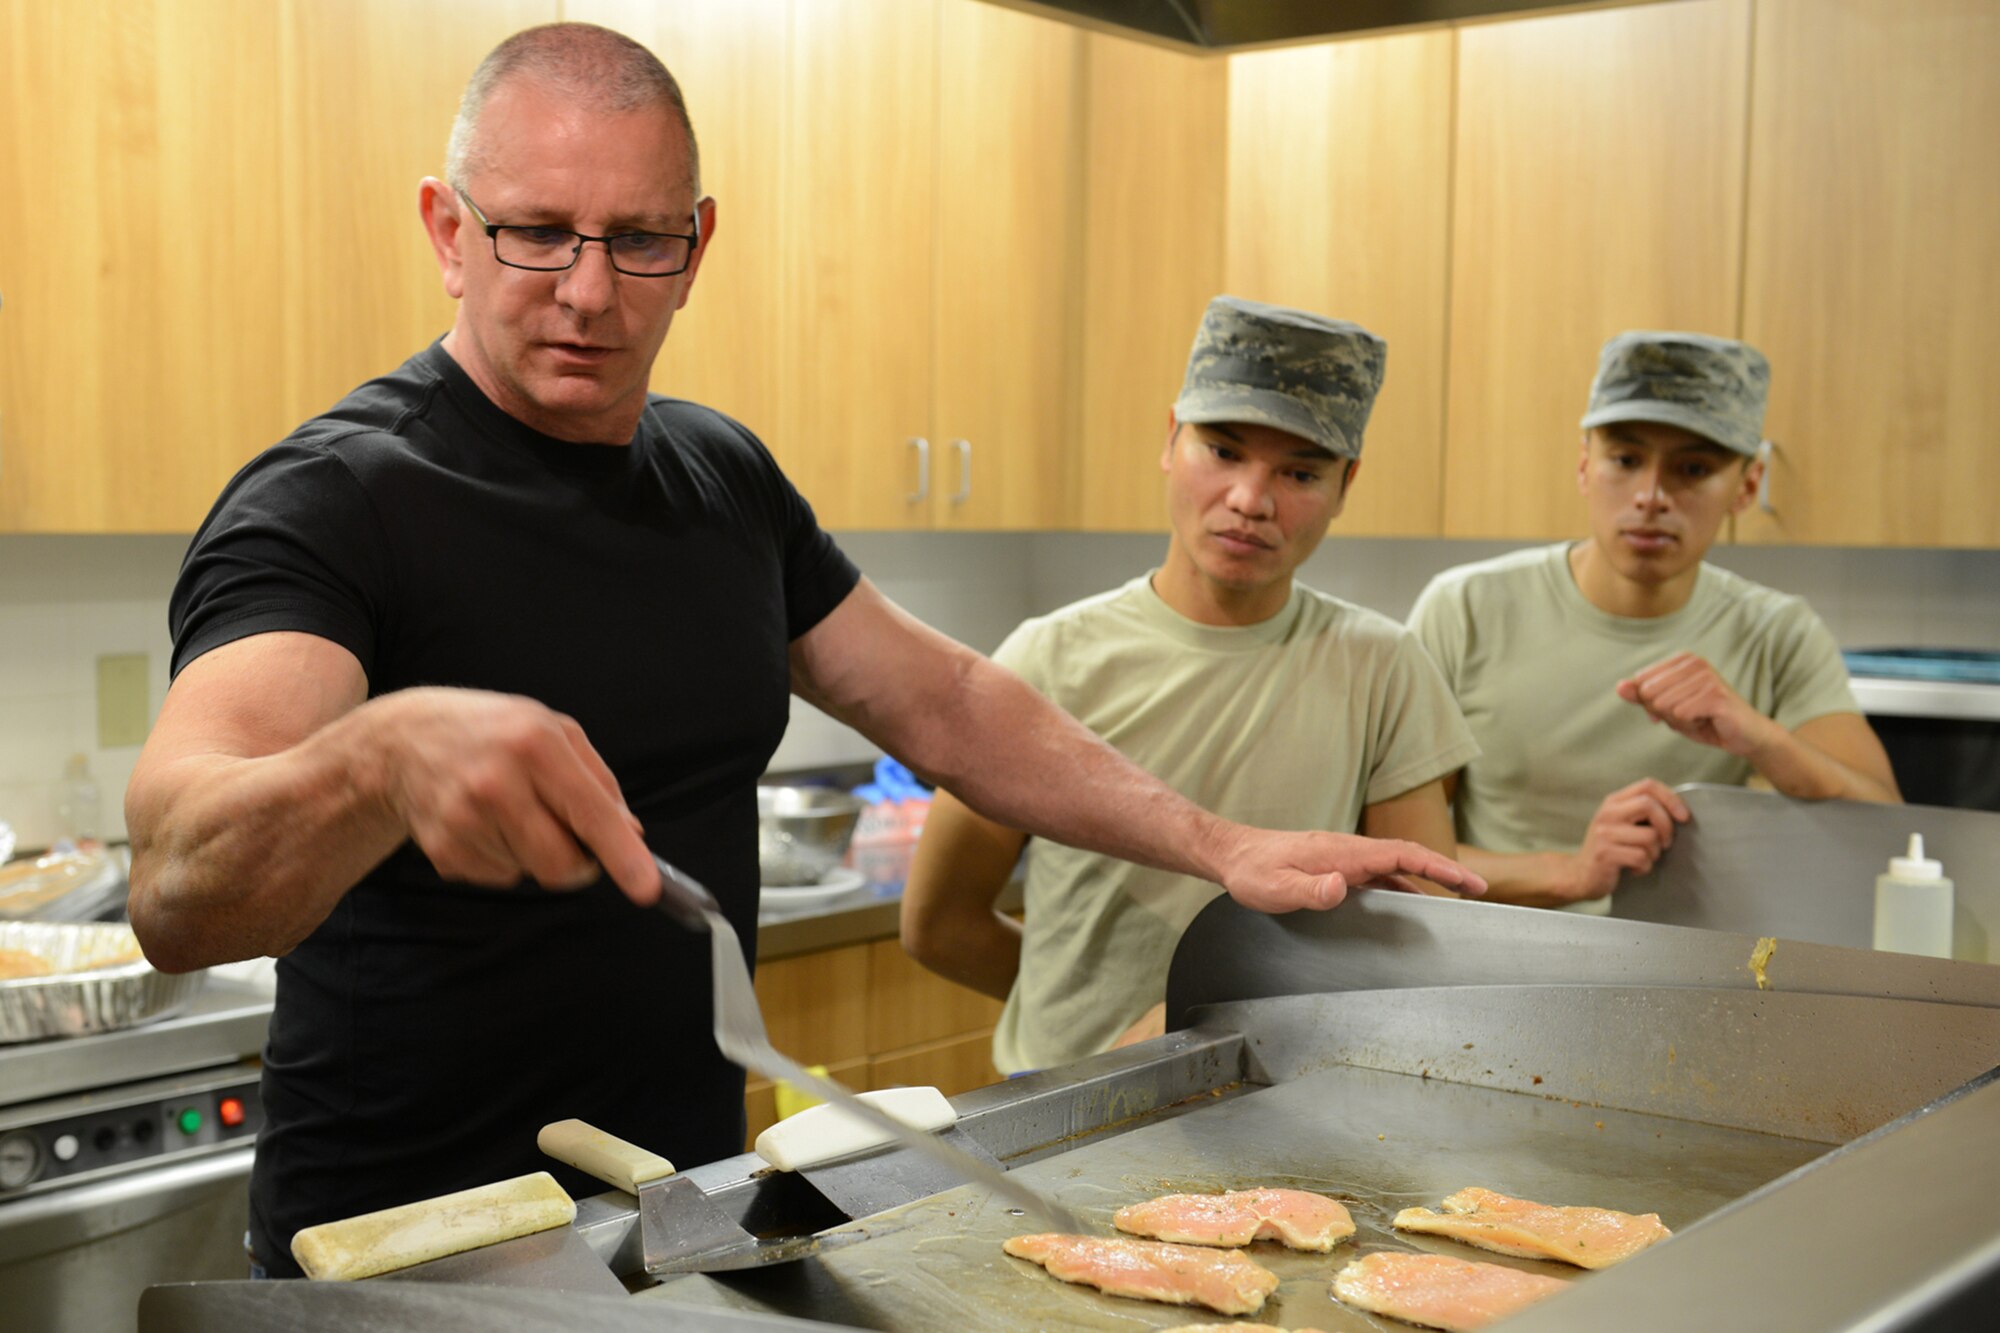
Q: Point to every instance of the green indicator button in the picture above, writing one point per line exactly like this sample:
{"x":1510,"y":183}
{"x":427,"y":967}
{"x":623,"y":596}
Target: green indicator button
{"x":190,"y":1121}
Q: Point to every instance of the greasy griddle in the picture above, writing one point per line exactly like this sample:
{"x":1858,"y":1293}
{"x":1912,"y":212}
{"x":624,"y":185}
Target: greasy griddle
{"x":1319,"y":1133}
{"x":1385,"y":1100}
{"x":1389,"y":1054}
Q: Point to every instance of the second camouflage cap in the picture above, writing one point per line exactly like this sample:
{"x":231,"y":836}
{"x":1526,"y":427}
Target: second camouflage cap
{"x":1712,"y":386}
{"x":1271,"y":366}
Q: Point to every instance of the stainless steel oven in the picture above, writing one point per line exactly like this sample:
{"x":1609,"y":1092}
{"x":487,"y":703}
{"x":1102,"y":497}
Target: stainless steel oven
{"x":125,"y":1161}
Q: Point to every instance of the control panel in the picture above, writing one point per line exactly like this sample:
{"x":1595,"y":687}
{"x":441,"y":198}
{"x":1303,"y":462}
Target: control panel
{"x":50,"y":1144}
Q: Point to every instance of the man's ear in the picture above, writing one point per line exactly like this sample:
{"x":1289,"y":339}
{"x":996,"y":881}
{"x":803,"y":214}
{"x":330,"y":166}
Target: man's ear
{"x":704,"y":214}
{"x":1753,"y":474}
{"x":1583,"y":461}
{"x":444,"y":223}
{"x":1167,"y":449}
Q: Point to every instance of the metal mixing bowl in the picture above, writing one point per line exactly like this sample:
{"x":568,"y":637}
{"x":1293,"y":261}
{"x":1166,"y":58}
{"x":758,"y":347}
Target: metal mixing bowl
{"x":802,"y":832}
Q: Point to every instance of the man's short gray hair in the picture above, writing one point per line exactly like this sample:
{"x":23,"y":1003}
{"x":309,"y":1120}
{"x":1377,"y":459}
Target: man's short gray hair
{"x":595,"y":66}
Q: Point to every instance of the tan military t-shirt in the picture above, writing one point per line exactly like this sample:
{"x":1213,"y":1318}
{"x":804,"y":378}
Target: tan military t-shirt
{"x":1296,"y":723}
{"x":1534,"y":665}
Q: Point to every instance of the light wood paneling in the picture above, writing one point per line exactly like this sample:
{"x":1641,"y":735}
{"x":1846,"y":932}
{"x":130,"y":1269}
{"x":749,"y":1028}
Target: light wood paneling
{"x":909,"y":1005}
{"x":1598,"y":186}
{"x":141,"y":243}
{"x":730,"y":60}
{"x":816,"y":1005}
{"x":1153,"y":249}
{"x":1009,"y":193}
{"x":371,"y":87}
{"x":1339,"y":191}
{"x":1874,"y":269}
{"x":953,"y":1066}
{"x":858,"y":184}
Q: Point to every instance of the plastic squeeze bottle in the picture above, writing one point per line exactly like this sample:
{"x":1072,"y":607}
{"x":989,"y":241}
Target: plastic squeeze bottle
{"x":1913,"y":905}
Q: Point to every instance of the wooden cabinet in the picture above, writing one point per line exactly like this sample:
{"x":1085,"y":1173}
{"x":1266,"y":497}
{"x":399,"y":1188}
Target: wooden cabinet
{"x":1156,"y":127}
{"x":143,"y":194}
{"x":1597,"y":187}
{"x":211,"y":234}
{"x":953,"y":220}
{"x":1339,"y":183}
{"x":928,"y":174}
{"x":1009,"y":183}
{"x":730,"y":61}
{"x":875,"y":1019}
{"x":1872,"y":272}
{"x":858,"y":191}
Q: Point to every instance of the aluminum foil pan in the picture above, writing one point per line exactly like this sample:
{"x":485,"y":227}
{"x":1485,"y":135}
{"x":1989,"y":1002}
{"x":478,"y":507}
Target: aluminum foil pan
{"x":99,"y":982}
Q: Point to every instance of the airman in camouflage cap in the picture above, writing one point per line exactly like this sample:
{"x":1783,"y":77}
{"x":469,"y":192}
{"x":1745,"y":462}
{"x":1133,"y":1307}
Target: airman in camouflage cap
{"x":1266,"y":365}
{"x":1714,"y":387}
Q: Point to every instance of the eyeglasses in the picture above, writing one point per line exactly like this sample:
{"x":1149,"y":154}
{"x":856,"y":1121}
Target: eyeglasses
{"x":641,"y":254}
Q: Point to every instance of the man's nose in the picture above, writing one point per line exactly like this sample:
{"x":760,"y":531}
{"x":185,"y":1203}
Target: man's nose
{"x":1250,"y":494}
{"x":591,"y":284}
{"x":1652,"y":487}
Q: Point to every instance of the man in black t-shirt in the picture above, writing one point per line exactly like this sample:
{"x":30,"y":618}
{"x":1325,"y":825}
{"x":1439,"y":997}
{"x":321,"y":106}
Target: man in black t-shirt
{"x":502,"y":622}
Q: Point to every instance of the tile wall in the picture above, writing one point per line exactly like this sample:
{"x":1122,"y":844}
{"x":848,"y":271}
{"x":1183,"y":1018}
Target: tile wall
{"x":65,"y":601}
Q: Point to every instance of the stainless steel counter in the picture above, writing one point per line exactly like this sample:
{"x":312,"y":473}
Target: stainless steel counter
{"x":1883,"y":697}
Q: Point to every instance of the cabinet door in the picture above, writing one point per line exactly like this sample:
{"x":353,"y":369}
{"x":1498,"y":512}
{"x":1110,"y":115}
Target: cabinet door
{"x":220,"y":236}
{"x":816,"y":1005}
{"x":1156,"y":140}
{"x":858,"y":188}
{"x":1339,"y":186}
{"x":144,"y":231}
{"x":1598,"y":186}
{"x":730,"y":60}
{"x":370,"y":91}
{"x":1872,"y":276}
{"x":909,"y":1005}
{"x":1009,"y":190}
{"x":958,"y":1065}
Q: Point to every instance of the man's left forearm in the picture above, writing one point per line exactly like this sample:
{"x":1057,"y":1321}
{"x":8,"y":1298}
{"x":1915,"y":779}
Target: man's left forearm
{"x":1010,"y":754}
{"x":1797,"y":767}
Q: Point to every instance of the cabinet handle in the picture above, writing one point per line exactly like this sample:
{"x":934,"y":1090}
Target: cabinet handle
{"x":1764,"y":451}
{"x":923,"y":448}
{"x":964,"y":491}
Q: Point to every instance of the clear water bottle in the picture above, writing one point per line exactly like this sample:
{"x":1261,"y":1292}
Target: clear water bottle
{"x":79,"y":813}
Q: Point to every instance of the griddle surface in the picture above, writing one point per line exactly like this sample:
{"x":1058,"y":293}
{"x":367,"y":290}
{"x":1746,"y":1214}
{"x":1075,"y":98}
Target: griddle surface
{"x":1377,"y":1141}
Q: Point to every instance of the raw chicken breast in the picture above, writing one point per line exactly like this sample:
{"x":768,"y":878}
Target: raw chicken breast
{"x":1302,"y":1221}
{"x":1437,"y":1291}
{"x":1586,"y":1237}
{"x":1226,"y":1281}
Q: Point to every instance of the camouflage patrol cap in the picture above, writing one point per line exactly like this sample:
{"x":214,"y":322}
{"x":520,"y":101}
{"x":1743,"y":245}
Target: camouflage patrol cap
{"x":1266,"y":365}
{"x":1712,"y":386}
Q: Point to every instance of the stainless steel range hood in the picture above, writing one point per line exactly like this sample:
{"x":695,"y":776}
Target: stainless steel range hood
{"x":1224,"y":25}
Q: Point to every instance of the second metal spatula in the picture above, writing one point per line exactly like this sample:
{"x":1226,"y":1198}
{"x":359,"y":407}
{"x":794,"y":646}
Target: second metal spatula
{"x":740,"y":1034}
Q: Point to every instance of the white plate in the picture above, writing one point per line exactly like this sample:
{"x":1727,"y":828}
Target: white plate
{"x":833,"y":884}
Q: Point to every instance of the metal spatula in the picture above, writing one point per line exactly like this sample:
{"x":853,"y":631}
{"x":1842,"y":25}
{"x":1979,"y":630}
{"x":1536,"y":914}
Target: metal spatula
{"x":740,"y":1034}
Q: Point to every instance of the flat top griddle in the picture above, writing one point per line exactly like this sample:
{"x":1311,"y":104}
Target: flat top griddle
{"x":1377,"y":1141}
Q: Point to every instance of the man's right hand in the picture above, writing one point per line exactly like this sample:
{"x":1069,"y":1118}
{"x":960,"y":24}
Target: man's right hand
{"x":1631,"y":828}
{"x":497,"y":788}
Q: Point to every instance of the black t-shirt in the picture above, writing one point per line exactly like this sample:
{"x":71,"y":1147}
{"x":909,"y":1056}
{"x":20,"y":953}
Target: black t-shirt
{"x":427,"y":1029}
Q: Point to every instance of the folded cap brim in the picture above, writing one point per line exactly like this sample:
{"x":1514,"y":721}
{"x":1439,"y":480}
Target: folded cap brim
{"x":1671,"y":414}
{"x":1261,"y":407}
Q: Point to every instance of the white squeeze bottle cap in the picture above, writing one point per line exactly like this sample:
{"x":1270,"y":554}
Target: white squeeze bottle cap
{"x":1915,"y":865}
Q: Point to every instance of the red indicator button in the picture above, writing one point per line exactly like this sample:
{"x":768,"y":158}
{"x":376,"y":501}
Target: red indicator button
{"x":230,"y":1111}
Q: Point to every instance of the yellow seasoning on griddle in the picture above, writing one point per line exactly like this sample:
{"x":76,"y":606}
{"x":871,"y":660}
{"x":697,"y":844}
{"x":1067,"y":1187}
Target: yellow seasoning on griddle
{"x":1760,"y":956}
